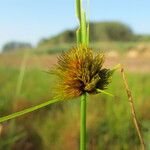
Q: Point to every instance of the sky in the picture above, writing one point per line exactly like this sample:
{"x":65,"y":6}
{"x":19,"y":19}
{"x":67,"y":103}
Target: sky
{"x":32,"y":20}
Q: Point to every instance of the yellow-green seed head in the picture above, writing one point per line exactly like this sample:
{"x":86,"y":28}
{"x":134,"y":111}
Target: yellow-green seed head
{"x":79,"y":71}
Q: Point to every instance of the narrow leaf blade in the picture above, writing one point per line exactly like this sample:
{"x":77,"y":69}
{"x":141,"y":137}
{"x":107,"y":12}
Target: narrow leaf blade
{"x":104,"y":92}
{"x":78,"y":36}
{"x":83,"y":28}
{"x":28,"y":110}
{"x":78,"y":8}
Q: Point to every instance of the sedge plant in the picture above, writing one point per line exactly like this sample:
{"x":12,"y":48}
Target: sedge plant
{"x":79,"y":72}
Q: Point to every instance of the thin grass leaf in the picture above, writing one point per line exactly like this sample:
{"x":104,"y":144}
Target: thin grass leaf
{"x":118,"y":66}
{"x":87,"y":34}
{"x":81,"y":33}
{"x":21,"y":75}
{"x":88,"y":22}
{"x":104,"y":92}
{"x":28,"y":110}
{"x":78,"y":8}
{"x":78,"y":14}
{"x":78,"y":36}
{"x":83,"y":28}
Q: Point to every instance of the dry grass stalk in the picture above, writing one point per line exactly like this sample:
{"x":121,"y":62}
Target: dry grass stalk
{"x":134,"y":117}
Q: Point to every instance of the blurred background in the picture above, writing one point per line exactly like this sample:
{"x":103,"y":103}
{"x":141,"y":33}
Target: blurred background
{"x":33,"y":33}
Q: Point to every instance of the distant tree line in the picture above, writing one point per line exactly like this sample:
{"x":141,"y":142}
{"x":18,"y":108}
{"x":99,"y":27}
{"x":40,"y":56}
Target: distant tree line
{"x":110,"y":31}
{"x":99,"y":31}
{"x":11,"y":46}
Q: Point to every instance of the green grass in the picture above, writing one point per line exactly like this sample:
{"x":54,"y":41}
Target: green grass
{"x":120,"y":47}
{"x":109,"y":122}
{"x":105,"y":46}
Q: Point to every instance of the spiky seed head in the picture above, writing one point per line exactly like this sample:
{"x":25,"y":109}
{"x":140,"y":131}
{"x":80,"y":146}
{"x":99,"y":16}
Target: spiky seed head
{"x":79,"y":71}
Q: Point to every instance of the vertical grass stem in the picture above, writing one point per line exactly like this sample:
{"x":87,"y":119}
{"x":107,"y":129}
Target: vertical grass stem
{"x":134,"y":117}
{"x":83,"y":123}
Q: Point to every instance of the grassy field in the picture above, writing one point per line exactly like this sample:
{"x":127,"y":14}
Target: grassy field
{"x":106,"y":123}
{"x":106,"y":46}
{"x":109,"y":123}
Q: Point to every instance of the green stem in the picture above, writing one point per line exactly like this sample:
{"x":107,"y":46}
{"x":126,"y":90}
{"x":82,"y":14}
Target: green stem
{"x":83,"y":123}
{"x":82,"y":38}
{"x":28,"y":110}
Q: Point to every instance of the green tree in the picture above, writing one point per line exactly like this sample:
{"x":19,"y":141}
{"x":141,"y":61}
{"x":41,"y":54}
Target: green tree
{"x":11,"y":46}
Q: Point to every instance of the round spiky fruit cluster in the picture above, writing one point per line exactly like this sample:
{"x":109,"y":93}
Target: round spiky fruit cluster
{"x":79,"y":71}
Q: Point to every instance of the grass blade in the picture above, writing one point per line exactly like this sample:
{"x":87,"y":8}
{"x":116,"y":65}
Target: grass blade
{"x":28,"y":110}
{"x":104,"y":92}
{"x":21,"y":74}
{"x":78,"y":36}
{"x":82,"y":37}
{"x":87,"y":34}
{"x":83,"y":28}
{"x":78,"y":8}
